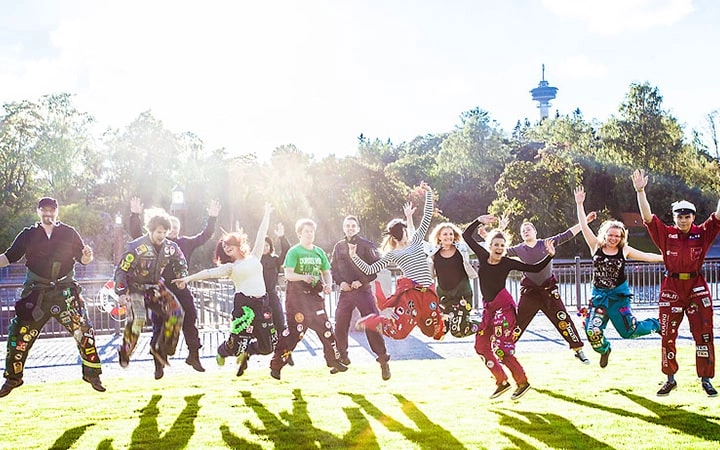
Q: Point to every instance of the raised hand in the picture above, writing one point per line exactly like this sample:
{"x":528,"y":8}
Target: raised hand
{"x":639,"y":179}
{"x":592,"y":215}
{"x":136,"y":205}
{"x":408,"y":210}
{"x":579,"y":195}
{"x":268,"y":208}
{"x":214,"y":208}
{"x":280,"y":230}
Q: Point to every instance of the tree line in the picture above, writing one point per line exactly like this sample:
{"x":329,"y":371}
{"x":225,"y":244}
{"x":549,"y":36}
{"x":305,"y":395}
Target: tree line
{"x":48,"y":147}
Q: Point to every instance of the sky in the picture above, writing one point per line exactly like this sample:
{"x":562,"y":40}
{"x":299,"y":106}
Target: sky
{"x":250,"y":76}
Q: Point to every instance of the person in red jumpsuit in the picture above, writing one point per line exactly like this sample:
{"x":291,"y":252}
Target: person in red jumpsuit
{"x":684,"y":289}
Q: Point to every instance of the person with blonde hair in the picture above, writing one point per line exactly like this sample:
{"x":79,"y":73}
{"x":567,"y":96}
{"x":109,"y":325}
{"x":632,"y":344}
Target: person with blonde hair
{"x":494,"y":342}
{"x":611,"y":293}
{"x":252,"y":330}
{"x":450,"y":264}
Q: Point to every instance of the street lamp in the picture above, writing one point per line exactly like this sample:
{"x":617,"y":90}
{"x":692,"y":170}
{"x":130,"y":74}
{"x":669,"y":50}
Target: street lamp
{"x":118,"y":238}
{"x":177,"y":205}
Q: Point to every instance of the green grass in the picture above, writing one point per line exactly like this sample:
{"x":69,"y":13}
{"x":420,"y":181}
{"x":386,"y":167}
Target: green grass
{"x":430,"y":404}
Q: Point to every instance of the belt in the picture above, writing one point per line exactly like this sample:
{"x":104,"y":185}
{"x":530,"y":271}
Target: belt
{"x":682,"y":275}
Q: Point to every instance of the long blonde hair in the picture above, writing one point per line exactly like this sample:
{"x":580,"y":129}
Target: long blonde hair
{"x":607,"y":226}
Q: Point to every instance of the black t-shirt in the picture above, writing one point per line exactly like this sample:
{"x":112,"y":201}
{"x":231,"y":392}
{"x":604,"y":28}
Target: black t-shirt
{"x":450,"y":271}
{"x":62,"y":249}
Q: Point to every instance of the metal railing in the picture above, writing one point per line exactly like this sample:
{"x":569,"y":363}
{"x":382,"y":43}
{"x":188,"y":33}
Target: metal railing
{"x":214,"y":299}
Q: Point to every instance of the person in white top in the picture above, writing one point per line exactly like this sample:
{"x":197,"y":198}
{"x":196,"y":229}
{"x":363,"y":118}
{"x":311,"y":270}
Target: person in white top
{"x":252,"y":330}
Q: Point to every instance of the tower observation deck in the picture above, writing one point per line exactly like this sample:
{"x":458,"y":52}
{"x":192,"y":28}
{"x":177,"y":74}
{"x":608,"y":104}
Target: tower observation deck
{"x":543,"y":94}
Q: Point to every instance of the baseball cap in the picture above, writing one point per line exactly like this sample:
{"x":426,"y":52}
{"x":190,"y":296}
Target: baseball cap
{"x":683,"y":207}
{"x":47,"y":202}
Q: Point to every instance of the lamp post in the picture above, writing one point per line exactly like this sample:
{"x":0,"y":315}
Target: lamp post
{"x":177,"y":205}
{"x":118,"y":238}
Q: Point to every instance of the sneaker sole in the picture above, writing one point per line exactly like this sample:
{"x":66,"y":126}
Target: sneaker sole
{"x":498,"y":394}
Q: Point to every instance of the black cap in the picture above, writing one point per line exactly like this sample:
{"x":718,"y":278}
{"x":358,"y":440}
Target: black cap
{"x":47,"y":202}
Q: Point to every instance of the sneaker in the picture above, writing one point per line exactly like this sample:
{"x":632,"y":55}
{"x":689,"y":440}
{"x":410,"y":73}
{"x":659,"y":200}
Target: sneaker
{"x":520,"y":391}
{"x":709,"y":389}
{"x":666,"y":388}
{"x":345,"y":360}
{"x":581,"y":356}
{"x":95,"y":383}
{"x":275,"y":374}
{"x":604,"y":358}
{"x":220,"y":360}
{"x":9,"y":385}
{"x":501,"y":389}
{"x":289,"y":361}
{"x":123,"y":358}
{"x":338,"y":366}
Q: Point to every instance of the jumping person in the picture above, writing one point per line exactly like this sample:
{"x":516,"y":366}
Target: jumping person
{"x":51,"y":250}
{"x":356,"y":292}
{"x":414,"y":302}
{"x":611,"y":293}
{"x":139,"y":284}
{"x":684,"y":290}
{"x":307,"y":271}
{"x":253,"y":331}
{"x":539,"y":291}
{"x":187,"y":244}
{"x":494,"y":341}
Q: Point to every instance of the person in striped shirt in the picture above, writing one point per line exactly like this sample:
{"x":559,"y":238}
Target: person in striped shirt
{"x":414,"y":302}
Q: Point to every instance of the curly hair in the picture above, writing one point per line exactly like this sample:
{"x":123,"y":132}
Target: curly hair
{"x":607,"y":226}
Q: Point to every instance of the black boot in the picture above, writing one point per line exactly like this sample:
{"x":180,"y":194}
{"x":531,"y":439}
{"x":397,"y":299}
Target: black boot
{"x":193,"y":359}
{"x":159,"y":368}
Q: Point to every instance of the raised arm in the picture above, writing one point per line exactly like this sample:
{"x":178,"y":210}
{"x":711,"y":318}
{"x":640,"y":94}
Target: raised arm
{"x":589,"y":236}
{"x":467,"y":235}
{"x":408,"y":211}
{"x":640,"y":181}
{"x":427,"y":213}
{"x":575,"y":229}
{"x":135,"y":222}
{"x":259,"y":246}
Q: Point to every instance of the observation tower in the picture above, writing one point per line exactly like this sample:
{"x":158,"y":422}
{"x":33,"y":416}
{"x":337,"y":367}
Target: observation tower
{"x":543,"y":94}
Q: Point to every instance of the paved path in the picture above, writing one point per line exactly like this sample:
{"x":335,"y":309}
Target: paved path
{"x":57,"y":358}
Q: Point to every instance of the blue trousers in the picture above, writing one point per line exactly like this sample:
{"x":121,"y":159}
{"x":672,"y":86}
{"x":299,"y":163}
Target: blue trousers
{"x":614,"y":305}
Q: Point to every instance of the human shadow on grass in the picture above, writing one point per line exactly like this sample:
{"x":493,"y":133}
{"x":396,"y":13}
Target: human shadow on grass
{"x":296,"y":430}
{"x":147,"y":434}
{"x":553,"y":430}
{"x":69,"y":437}
{"x":673,"y":417}
{"x":428,"y":434}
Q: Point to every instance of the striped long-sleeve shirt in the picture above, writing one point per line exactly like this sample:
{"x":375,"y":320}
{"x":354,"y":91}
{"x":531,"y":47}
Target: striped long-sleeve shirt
{"x":412,"y":259}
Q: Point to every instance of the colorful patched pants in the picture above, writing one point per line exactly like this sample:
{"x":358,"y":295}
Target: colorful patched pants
{"x":614,"y":305}
{"x":252,"y":330}
{"x":456,"y":305}
{"x":304,"y":309}
{"x":545,"y":298}
{"x":495,"y":343}
{"x":691,"y":298}
{"x":37,"y":306}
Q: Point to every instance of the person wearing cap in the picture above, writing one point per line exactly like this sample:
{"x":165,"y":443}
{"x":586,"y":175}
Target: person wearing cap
{"x":51,"y":250}
{"x":683,"y":289}
{"x":415,"y":302}
{"x":356,"y":292}
{"x":188,"y":245}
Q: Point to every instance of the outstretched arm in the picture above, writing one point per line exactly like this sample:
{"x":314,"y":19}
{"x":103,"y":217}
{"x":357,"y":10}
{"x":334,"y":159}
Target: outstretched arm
{"x":259,"y":246}
{"x":575,"y":229}
{"x":640,"y":181}
{"x":638,"y":255}
{"x":589,"y":236}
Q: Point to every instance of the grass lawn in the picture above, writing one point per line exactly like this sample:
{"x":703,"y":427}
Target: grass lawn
{"x":429,"y":404}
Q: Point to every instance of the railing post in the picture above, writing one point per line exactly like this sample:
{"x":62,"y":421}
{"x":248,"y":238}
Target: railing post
{"x":578,"y":299}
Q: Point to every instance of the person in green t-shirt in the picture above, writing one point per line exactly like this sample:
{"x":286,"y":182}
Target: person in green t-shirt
{"x":307,"y":271}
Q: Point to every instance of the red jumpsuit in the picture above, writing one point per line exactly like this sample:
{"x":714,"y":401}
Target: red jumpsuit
{"x":684,"y":290}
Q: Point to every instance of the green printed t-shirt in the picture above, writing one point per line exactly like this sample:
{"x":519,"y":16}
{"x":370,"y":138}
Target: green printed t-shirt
{"x":304,"y":261}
